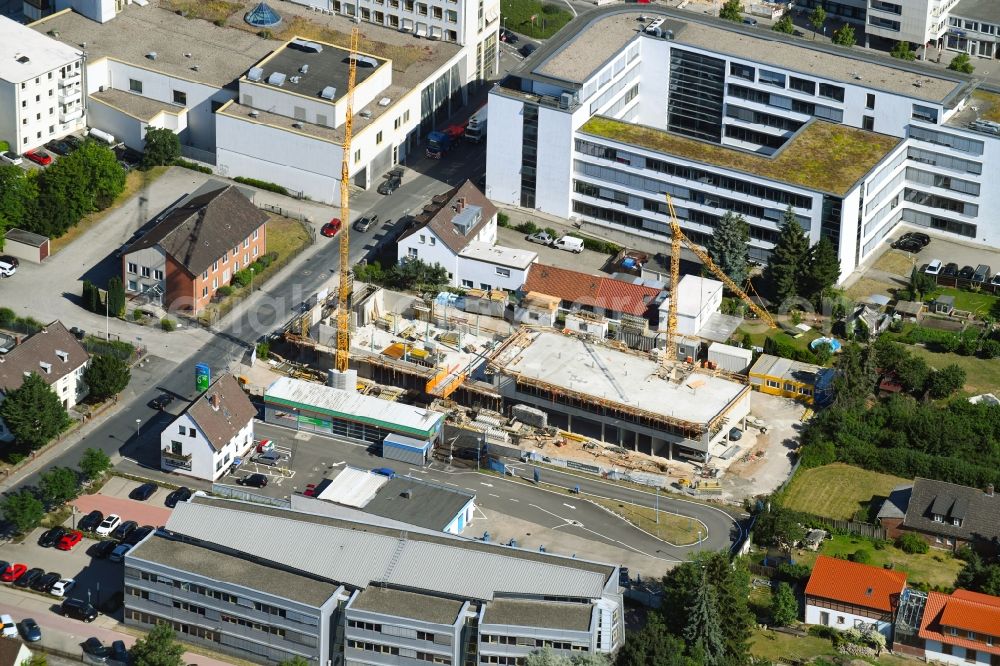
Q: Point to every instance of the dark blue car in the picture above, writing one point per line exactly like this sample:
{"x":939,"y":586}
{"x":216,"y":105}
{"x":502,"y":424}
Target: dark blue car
{"x":30,"y":631}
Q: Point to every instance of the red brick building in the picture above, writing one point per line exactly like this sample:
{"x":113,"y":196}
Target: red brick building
{"x":194,"y":248}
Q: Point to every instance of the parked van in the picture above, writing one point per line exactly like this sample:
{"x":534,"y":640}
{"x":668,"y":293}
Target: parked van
{"x":6,"y":270}
{"x":934,"y":267}
{"x":569,"y":243}
{"x":982,"y":274}
{"x":271,"y":458}
{"x":79,"y":610}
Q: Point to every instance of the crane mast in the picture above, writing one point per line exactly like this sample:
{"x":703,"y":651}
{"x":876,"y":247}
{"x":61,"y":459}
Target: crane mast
{"x":346,"y":281}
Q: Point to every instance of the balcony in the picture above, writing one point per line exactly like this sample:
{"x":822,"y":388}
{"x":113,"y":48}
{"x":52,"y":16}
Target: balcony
{"x":67,"y":81}
{"x":70,"y":115}
{"x":69,"y":94}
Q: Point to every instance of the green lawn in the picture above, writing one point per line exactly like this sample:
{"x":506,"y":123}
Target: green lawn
{"x":979,"y":303}
{"x":981,"y":375}
{"x":935,"y":567}
{"x":780,"y":648}
{"x":549,"y":17}
{"x":837,"y":490}
{"x":669,"y":527}
{"x":801,"y":342}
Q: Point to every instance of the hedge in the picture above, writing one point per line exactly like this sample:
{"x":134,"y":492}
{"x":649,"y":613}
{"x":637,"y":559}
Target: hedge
{"x":262,"y":184}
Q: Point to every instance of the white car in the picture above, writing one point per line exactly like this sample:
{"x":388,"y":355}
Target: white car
{"x":9,"y":628}
{"x":62,"y":588}
{"x":10,"y":158}
{"x":7,"y":270}
{"x":109,"y":524}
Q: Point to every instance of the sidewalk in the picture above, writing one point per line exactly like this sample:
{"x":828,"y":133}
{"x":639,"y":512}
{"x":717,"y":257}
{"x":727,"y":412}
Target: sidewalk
{"x":63,"y":635}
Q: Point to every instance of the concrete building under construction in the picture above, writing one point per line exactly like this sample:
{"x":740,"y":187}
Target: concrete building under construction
{"x":620,"y":396}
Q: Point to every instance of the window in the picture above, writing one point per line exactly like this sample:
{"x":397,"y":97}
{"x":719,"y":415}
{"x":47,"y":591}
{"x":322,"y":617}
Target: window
{"x":204,"y":293}
{"x":741,"y":71}
{"x":256,"y":232}
{"x":357,"y":155}
{"x":450,"y":36}
{"x":773,"y":384}
{"x":411,"y":253}
{"x":802,"y":85}
{"x":204,"y":276}
{"x":870,"y":101}
{"x":437,"y":12}
{"x":180,"y":98}
{"x":133,"y":285}
{"x":887,"y":7}
{"x":378,"y":138}
{"x":831,"y":92}
{"x":789,"y":387}
{"x":451,"y":16}
{"x":215,"y":283}
{"x":423,"y":238}
{"x":135,"y":86}
{"x":970,"y":655}
{"x":868,"y":123}
{"x":190,"y":432}
{"x":246,"y":243}
{"x":880,"y":22}
{"x":145,"y":271}
{"x":503,"y":272}
{"x":181,"y":429}
{"x":957,"y":522}
{"x":927,"y":113}
{"x":770,"y":78}
{"x":840,"y":619}
{"x":484,"y":286}
{"x":467,"y":284}
{"x":255,"y":248}
{"x":215,"y":265}
{"x":132,"y":268}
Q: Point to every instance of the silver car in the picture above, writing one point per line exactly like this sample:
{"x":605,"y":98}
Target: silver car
{"x":541,"y":237}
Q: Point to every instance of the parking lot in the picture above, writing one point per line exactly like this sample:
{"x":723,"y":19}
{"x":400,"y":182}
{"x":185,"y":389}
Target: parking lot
{"x":587,"y":261}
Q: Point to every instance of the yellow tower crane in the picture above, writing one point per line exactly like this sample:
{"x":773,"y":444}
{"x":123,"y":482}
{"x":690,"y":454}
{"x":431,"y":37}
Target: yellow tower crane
{"x":676,"y":237}
{"x":346,"y":278}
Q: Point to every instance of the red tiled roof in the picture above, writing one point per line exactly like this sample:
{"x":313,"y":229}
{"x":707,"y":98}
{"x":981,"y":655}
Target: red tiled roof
{"x":591,"y":290}
{"x":966,"y":611}
{"x":856,"y":584}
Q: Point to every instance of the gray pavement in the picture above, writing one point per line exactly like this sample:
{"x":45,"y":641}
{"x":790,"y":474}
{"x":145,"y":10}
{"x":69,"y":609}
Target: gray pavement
{"x":587,"y":261}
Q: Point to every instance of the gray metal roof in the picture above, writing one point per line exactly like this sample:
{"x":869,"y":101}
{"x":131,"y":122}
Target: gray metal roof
{"x":413,"y":605}
{"x":428,"y":505}
{"x":356,"y":554}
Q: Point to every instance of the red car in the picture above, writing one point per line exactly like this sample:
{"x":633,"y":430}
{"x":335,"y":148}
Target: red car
{"x":310,"y":490}
{"x":13,"y":572}
{"x":69,"y":540}
{"x":331,"y":228}
{"x":39,"y":157}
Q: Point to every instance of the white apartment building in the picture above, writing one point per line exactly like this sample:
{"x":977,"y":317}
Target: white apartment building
{"x":974,"y":28}
{"x":41,"y":87}
{"x":743,"y":121}
{"x":273,"y":110}
{"x":920,"y":22}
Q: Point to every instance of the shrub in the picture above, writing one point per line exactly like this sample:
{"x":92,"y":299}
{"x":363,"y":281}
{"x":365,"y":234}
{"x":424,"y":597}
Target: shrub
{"x":793,"y":573}
{"x":265,"y":34}
{"x":219,"y":22}
{"x":7,"y":316}
{"x":167,"y":324}
{"x":528,"y":227}
{"x":137,"y":314}
{"x":503,"y":220}
{"x":263,"y":350}
{"x":861,"y":556}
{"x":911,"y":543}
{"x":262,"y":184}
{"x":192,"y":165}
{"x":224,"y":291}
{"x":241,"y":278}
{"x":823,"y":631}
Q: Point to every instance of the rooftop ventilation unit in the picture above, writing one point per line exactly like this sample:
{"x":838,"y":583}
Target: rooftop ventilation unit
{"x":304,"y":69}
{"x":294,"y":79}
{"x":655,"y":28}
{"x":366,"y":114}
{"x":276,"y":79}
{"x":297,"y":125}
{"x":329,"y":92}
{"x":309,"y":47}
{"x":23,"y":59}
{"x":385,"y":101}
{"x":365,"y":61}
{"x":196,"y":67}
{"x":255,"y":74}
{"x":187,"y":55}
{"x":253,"y":114}
{"x":151,"y":55}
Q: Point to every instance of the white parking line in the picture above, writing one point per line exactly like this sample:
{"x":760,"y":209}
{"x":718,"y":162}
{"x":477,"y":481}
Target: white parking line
{"x":488,"y":485}
{"x":570,"y":506}
{"x":513,"y":499}
{"x":494,"y":495}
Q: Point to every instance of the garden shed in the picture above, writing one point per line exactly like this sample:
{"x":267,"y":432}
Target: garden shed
{"x":26,"y":245}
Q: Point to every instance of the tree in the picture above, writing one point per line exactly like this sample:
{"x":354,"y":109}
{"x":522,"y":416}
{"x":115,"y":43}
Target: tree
{"x":732,"y":10}
{"x":784,"y":606}
{"x":115,"y":297}
{"x":908,"y":542}
{"x":546,"y":657}
{"x":728,"y":246}
{"x":92,"y":300}
{"x":920,"y":284}
{"x":106,"y":376}
{"x":784,"y":24}
{"x":945,"y":381}
{"x":653,"y":645}
{"x":816,"y":19}
{"x":912,"y":373}
{"x":824,"y":267}
{"x":295,"y":661}
{"x":861,"y":556}
{"x":162,"y":148}
{"x":776,"y":526}
{"x":855,"y":377}
{"x":703,"y":632}
{"x":789,"y":260}
{"x":58,"y":485}
{"x":845,"y":36}
{"x":962,"y":63}
{"x":36,"y":659}
{"x":105,"y":176}
{"x":903,"y":51}
{"x":158,"y":648}
{"x":64,"y":197}
{"x":23,"y":510}
{"x":94,"y":463}
{"x":18,"y":196}
{"x":33,"y":412}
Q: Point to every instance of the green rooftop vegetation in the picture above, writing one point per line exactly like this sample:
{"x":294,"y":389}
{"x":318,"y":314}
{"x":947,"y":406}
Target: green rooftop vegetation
{"x":987,"y":105}
{"x":823,"y":156}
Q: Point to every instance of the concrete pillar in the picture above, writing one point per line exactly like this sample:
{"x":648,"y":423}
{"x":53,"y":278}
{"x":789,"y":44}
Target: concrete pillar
{"x":635,"y":441}
{"x":670,"y":450}
{"x":569,"y":422}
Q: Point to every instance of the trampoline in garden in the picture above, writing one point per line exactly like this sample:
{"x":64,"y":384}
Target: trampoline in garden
{"x":834,"y":344}
{"x":262,"y":16}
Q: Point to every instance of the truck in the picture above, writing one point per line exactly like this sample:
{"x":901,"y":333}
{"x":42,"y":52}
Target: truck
{"x":440,"y":142}
{"x":475,"y":130}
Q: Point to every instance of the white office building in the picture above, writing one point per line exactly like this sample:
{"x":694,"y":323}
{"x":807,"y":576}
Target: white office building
{"x":743,"y":121}
{"x":41,"y":87}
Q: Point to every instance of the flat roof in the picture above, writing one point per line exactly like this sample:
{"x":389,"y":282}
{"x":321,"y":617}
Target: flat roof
{"x":694,"y":293}
{"x":978,"y":10}
{"x":221,"y":54}
{"x":353,"y":487}
{"x":983,"y":105}
{"x":134,"y":105}
{"x":428,"y":505}
{"x":326,"y":67}
{"x":785,"y":368}
{"x":413,"y":605}
{"x":369,"y":554}
{"x":629,"y":379}
{"x":27,"y":54}
{"x":502,"y":256}
{"x":821,"y":156}
{"x":234,"y":570}
{"x":581,"y":48}
{"x":354,"y":406}
{"x":548,"y":614}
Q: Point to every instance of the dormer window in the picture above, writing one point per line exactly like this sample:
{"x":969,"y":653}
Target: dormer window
{"x":46,"y":367}
{"x":63,"y":356}
{"x":957,"y":522}
{"x":953,"y":631}
{"x":938,"y":518}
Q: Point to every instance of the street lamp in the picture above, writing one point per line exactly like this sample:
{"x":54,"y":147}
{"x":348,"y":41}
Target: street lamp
{"x":251,"y":279}
{"x":137,"y":422}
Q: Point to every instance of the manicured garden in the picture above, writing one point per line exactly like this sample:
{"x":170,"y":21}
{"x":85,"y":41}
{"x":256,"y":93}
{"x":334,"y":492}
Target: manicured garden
{"x":837,"y":490}
{"x":534,"y":18}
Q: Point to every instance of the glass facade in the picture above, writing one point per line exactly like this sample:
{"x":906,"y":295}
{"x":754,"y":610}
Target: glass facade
{"x":529,"y":155}
{"x":697,"y":88}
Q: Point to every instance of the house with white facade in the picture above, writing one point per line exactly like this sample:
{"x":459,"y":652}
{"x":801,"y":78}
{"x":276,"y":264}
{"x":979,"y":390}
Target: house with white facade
{"x":754,"y":123}
{"x":698,"y":299}
{"x":215,"y":429}
{"x":845,"y":595}
{"x":55,"y":355}
{"x":458,"y":230}
{"x":41,"y":87}
{"x":958,"y":628}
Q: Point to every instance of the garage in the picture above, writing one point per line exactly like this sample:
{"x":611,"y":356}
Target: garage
{"x":26,"y":245}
